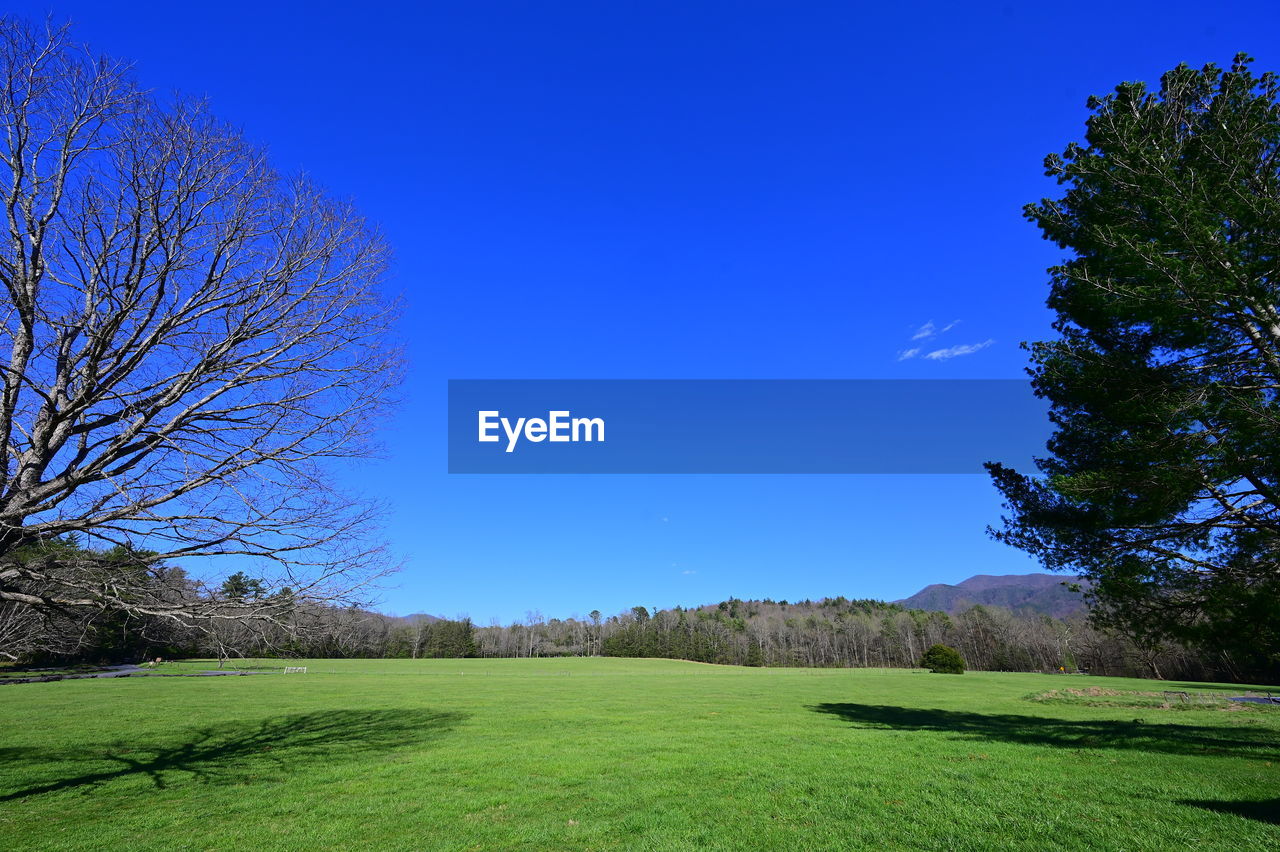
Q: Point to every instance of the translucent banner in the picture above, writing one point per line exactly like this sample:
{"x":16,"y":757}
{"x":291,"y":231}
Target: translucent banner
{"x":743,"y":426}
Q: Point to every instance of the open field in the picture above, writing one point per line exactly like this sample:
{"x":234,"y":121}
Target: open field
{"x":631,"y":754}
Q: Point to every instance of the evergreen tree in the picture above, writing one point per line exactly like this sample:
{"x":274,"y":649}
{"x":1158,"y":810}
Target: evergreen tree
{"x":1162,"y":487}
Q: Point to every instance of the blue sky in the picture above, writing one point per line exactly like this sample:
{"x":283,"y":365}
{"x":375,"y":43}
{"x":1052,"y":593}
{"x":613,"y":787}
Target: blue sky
{"x":678,"y":190}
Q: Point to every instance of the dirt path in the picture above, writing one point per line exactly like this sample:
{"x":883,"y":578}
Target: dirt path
{"x":128,"y":670}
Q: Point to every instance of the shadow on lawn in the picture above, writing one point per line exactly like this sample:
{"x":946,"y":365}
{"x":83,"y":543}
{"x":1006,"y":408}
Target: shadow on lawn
{"x":236,"y":751}
{"x":1064,"y":733}
{"x":1265,"y":811}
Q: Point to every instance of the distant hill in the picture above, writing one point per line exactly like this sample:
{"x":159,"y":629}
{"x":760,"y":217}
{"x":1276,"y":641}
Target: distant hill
{"x":418,"y":616}
{"x":1042,"y":594}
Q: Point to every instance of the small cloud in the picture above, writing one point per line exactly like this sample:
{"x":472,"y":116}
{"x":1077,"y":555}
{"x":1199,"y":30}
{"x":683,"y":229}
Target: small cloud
{"x":924,"y":331}
{"x":957,"y":351}
{"x":686,"y":571}
{"x":950,"y":326}
{"x":665,"y":520}
{"x":908,"y":353}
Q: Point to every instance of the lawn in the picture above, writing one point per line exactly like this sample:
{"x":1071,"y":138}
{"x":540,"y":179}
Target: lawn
{"x":631,"y":754}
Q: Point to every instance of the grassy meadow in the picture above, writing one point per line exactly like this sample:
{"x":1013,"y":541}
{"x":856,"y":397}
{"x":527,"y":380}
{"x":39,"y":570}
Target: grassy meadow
{"x":631,"y":754}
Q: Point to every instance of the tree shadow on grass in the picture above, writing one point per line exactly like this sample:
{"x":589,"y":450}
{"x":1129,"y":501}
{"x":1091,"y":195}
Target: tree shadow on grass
{"x":230,"y":752}
{"x":1065,"y":733}
{"x":1264,"y":811}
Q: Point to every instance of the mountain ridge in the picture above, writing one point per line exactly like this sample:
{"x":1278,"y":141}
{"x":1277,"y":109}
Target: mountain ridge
{"x":1043,"y":594}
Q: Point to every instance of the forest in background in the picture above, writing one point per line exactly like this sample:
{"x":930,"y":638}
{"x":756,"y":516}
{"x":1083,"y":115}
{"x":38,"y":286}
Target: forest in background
{"x":832,"y":632}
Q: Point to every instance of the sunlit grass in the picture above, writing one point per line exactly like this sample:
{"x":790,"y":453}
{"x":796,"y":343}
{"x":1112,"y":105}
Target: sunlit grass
{"x":627,"y":754}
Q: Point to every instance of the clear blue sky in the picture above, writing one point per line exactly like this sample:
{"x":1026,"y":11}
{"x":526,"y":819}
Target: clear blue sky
{"x":678,"y":190}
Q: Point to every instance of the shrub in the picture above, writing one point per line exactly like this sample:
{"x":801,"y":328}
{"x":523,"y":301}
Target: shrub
{"x":942,"y":659}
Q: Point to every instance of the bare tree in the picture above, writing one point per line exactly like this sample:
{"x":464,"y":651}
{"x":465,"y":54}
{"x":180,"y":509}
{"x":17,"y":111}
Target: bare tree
{"x":188,"y":339}
{"x":25,"y":630}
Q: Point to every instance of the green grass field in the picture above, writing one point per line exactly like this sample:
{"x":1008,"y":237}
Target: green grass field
{"x":631,"y":754}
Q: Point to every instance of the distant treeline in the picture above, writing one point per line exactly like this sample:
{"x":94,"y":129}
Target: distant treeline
{"x":837,"y":632}
{"x":834,"y":632}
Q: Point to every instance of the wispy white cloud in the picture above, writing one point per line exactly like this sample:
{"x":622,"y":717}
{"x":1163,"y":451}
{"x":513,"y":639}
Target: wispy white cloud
{"x":688,"y":572}
{"x":924,"y":331}
{"x":957,"y":351}
{"x":929,"y":331}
